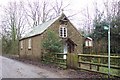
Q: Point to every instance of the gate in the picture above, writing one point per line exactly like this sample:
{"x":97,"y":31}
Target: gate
{"x":72,"y":60}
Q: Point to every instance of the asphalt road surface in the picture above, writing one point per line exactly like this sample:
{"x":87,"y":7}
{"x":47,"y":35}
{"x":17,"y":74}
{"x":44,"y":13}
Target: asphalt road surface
{"x":0,"y":67}
{"x":15,"y":69}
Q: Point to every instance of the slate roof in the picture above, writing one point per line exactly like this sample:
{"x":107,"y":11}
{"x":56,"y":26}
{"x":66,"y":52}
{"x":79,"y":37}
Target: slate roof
{"x":40,"y":28}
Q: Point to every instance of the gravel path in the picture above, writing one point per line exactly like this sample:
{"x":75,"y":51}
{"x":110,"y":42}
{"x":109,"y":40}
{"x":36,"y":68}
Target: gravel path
{"x":15,"y":69}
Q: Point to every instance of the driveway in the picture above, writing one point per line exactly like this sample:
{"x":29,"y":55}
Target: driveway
{"x":15,"y":69}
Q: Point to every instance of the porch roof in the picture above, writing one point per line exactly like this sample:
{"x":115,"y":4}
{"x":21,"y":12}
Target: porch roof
{"x":71,"y":41}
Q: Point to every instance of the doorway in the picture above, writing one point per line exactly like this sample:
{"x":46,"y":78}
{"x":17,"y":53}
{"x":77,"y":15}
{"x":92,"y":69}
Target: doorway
{"x":69,"y":47}
{"x":65,"y":51}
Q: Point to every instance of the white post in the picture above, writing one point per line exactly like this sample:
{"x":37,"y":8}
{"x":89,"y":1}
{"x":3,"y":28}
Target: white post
{"x":109,"y":51}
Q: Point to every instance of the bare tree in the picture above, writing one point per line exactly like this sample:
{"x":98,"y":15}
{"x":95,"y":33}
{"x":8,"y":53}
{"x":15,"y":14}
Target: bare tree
{"x":18,"y":16}
{"x":13,"y":23}
{"x":41,"y":11}
{"x":87,"y":20}
{"x":111,"y":9}
{"x":38,"y":12}
{"x":59,"y":7}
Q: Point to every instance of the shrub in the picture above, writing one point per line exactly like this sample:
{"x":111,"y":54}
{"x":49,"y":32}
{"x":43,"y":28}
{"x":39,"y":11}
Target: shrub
{"x":52,"y":45}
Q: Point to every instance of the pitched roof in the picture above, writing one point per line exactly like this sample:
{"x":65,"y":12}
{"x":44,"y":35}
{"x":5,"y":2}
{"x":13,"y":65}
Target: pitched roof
{"x":40,"y":28}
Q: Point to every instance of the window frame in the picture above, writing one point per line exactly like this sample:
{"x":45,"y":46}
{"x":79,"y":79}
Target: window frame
{"x":29,"y":43}
{"x":90,"y":43}
{"x":63,"y":33}
{"x":21,"y":44}
{"x":87,"y":43}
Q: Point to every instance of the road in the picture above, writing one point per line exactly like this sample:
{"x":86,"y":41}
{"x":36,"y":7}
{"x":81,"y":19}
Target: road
{"x":0,"y":68}
{"x":15,"y":69}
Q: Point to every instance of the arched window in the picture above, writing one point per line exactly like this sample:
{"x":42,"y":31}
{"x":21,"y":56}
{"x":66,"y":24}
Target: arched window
{"x":63,"y":31}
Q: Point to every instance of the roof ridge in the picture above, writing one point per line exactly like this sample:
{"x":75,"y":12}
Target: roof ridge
{"x":47,"y":21}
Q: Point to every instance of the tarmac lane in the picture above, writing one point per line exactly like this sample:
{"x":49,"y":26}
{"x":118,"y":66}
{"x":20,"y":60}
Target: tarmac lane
{"x":15,"y":69}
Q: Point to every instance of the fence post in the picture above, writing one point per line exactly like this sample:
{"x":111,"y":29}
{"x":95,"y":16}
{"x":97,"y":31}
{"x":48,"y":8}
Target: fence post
{"x":79,"y":59}
{"x":97,"y":68}
{"x":90,"y":61}
{"x":90,"y":66}
{"x":98,"y":63}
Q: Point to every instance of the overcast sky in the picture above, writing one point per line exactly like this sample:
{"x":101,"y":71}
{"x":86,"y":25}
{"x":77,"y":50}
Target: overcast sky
{"x":74,"y":7}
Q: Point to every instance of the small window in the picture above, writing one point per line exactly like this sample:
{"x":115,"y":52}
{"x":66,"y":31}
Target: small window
{"x":63,"y":31}
{"x":90,"y":43}
{"x":86,"y":43}
{"x":29,"y":44}
{"x":21,"y":44}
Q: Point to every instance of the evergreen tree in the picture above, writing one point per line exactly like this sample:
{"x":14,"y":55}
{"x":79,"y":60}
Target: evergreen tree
{"x":52,"y":43}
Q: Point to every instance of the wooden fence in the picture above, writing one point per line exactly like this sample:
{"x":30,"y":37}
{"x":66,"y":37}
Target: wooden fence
{"x":90,"y":62}
{"x":60,"y":61}
{"x":56,"y":59}
{"x":94,"y":63}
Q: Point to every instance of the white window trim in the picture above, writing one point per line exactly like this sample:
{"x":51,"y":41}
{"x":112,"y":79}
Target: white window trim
{"x":90,"y":43}
{"x":60,"y":31}
{"x":62,"y":27}
{"x":21,"y":44}
{"x":29,"y":43}
{"x":65,"y":32}
{"x":86,"y":43}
